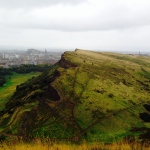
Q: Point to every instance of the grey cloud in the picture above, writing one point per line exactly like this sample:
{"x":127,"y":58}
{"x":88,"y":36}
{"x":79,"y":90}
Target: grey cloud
{"x":116,"y":16}
{"x":13,"y":4}
{"x":79,"y":23}
{"x":112,"y":19}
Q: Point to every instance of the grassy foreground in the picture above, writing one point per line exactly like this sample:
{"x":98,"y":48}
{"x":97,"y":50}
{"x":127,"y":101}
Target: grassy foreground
{"x":47,"y":145}
{"x":8,"y":89}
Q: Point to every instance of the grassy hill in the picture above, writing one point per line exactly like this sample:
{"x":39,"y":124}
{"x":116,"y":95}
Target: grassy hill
{"x":98,"y":96}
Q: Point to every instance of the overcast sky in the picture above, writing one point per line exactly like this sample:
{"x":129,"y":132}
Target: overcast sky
{"x":70,"y":24}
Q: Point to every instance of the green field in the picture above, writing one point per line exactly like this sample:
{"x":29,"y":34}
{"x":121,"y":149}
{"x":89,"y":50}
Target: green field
{"x":12,"y":81}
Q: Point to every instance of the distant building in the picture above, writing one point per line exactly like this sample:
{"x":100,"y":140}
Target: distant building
{"x":17,"y":55}
{"x":4,"y":55}
{"x":2,"y":65}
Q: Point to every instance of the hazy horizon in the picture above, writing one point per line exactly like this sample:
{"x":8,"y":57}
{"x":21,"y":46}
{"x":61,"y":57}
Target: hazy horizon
{"x":61,"y":50}
{"x":68,"y":24}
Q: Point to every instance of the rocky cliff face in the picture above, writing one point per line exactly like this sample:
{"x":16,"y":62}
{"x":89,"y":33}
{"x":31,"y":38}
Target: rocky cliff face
{"x":64,"y":63}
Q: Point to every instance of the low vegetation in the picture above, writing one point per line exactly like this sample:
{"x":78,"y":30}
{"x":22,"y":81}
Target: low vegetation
{"x":49,"y":145}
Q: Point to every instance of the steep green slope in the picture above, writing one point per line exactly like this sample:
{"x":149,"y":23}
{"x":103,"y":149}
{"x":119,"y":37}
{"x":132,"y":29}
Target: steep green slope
{"x":91,"y":95}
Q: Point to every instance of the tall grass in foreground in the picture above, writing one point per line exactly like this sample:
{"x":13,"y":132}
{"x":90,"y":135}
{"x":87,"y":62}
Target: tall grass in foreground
{"x":45,"y":145}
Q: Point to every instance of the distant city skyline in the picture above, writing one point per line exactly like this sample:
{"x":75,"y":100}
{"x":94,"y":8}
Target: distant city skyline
{"x":25,"y":48}
{"x":111,"y":25}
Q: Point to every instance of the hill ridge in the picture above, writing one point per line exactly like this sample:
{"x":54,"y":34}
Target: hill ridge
{"x":76,"y":97}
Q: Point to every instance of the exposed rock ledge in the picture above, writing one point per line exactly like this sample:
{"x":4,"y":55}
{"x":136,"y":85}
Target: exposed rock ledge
{"x":65,"y":63}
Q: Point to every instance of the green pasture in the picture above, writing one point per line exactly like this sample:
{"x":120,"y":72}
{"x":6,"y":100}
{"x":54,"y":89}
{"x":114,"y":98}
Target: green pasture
{"x":12,"y":81}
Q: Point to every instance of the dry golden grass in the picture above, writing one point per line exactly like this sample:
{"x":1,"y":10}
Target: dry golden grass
{"x":45,"y":145}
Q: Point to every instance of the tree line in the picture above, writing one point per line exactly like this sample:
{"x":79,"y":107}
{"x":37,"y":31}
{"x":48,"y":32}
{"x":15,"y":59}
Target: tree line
{"x":23,"y":69}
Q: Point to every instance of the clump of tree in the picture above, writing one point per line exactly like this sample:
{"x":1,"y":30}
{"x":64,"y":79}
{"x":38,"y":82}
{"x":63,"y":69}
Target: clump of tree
{"x":3,"y":73}
{"x":31,"y":68}
{"x":2,"y":81}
